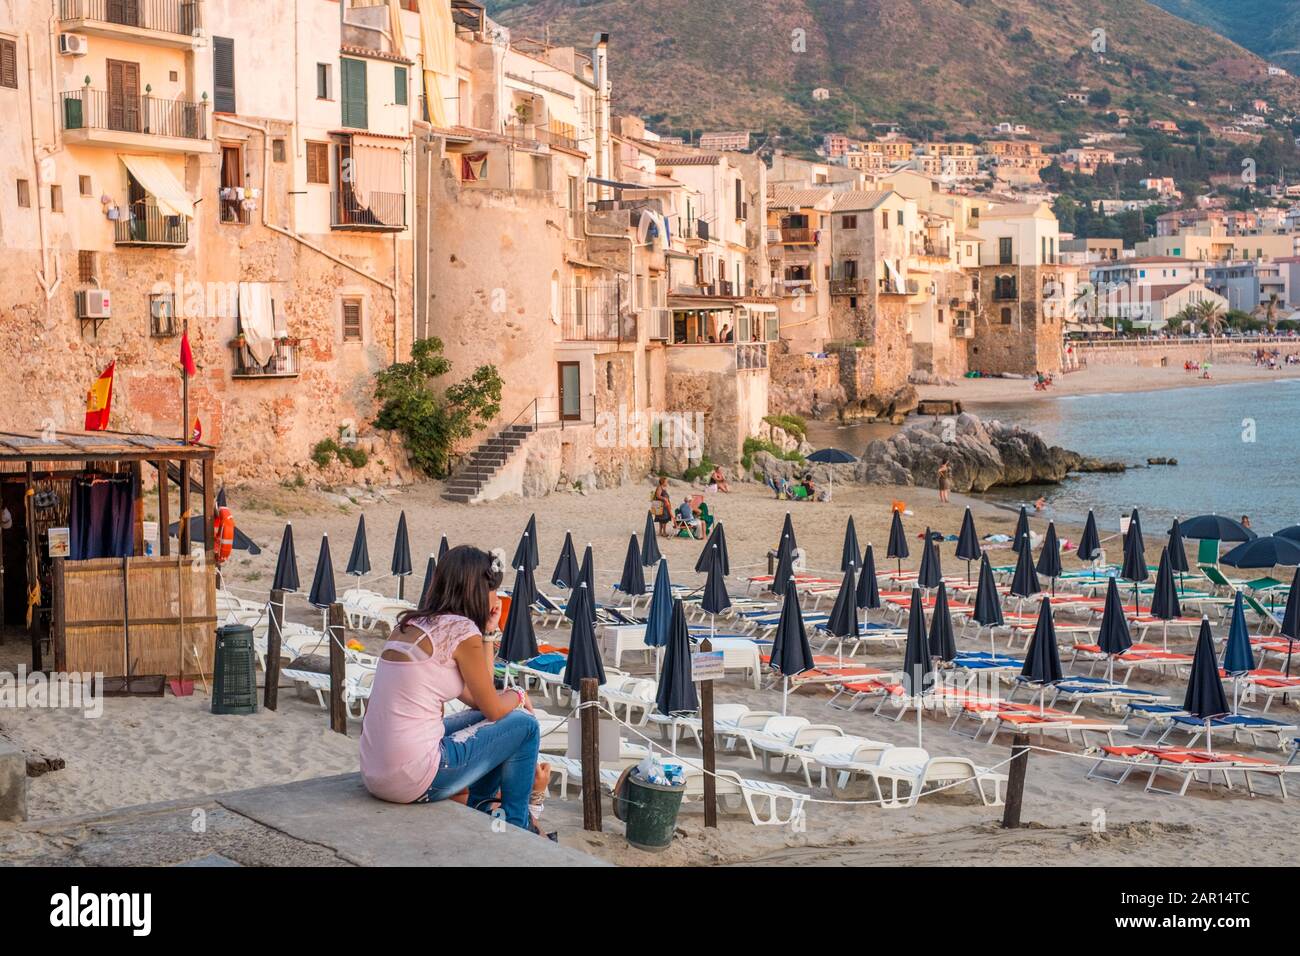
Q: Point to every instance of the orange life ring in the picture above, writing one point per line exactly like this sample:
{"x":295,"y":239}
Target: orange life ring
{"x":224,"y":536}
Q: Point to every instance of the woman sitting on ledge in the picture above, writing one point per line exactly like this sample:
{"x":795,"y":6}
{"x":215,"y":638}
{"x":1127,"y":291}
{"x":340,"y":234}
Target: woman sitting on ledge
{"x":410,"y":752}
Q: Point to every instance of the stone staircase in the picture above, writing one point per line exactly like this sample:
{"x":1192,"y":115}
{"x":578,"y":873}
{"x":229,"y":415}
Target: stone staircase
{"x":485,"y":462}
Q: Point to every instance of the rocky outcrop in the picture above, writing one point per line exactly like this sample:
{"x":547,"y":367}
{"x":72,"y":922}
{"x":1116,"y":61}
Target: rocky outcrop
{"x":893,"y":407}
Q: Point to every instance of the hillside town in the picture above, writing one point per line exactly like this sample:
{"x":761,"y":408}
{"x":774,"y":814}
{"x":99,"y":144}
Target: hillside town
{"x":305,"y":222}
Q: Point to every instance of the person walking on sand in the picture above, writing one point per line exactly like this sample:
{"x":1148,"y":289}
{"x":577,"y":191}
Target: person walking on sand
{"x":945,"y":481}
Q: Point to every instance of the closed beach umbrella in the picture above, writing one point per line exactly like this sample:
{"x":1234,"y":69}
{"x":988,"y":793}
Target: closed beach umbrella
{"x":286,"y":564}
{"x":897,"y":548}
{"x":1238,"y":658}
{"x":586,"y":576}
{"x":1022,"y":536}
{"x":1090,"y":543}
{"x":868,"y":587}
{"x":1164,"y":598}
{"x":1291,"y":619}
{"x":791,"y":654}
{"x":988,"y":603}
{"x":1043,"y":659}
{"x":1264,"y":553}
{"x":1049,"y":559}
{"x":1135,"y":558}
{"x":1113,"y":634}
{"x":565,"y":574}
{"x":717,"y":542}
{"x":968,"y":542}
{"x":843,"y":621}
{"x":1177,"y":549}
{"x":650,"y":555}
{"x":359,"y":560}
{"x":918,"y":671}
{"x":632,"y":583}
{"x":850,"y":554}
{"x":783,"y":579}
{"x":322,"y":593}
{"x":676,"y":694}
{"x":428,"y":579}
{"x":787,"y":533}
{"x":943,"y":645}
{"x":831,"y":456}
{"x":1024,"y":583}
{"x":715,"y":599}
{"x":584,"y":656}
{"x":1216,"y":528}
{"x":930,"y":574}
{"x":443,"y":548}
{"x":518,"y":639}
{"x":660,"y":616}
{"x":526,"y":550}
{"x":1205,"y":698}
{"x":400,"y":566}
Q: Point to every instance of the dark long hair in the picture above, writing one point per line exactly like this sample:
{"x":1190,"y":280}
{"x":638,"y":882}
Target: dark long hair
{"x":462,"y":583}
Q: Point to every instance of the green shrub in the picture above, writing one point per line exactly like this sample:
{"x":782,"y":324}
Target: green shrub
{"x":790,"y":424}
{"x":753,"y":446}
{"x":702,"y":469}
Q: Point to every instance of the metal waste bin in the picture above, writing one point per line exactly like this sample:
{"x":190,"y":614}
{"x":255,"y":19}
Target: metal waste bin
{"x":234,"y":682}
{"x":649,"y":810}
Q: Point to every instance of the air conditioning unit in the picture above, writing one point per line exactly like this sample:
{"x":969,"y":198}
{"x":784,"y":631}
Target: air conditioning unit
{"x":73,"y":44}
{"x":94,"y":304}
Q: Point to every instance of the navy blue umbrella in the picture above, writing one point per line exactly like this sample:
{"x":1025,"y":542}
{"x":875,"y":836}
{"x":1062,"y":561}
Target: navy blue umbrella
{"x":1049,"y":559}
{"x":1205,"y":698}
{"x":715,"y":599}
{"x":650,"y":555}
{"x":198,"y":524}
{"x":1134,"y":569}
{"x":783,"y":579}
{"x":584,"y":656}
{"x":843,"y":622}
{"x":322,"y":592}
{"x":1021,"y":537}
{"x":518,"y":639}
{"x":526,"y":550}
{"x":1043,"y":658}
{"x":1293,"y":532}
{"x":428,"y":581}
{"x":943,"y":645}
{"x":930,"y":574}
{"x":1216,"y":528}
{"x":717,"y":542}
{"x":831,"y":456}
{"x":791,"y":654}
{"x":443,"y":548}
{"x":868,"y":587}
{"x":286,"y":564}
{"x":897,"y":547}
{"x":660,"y":615}
{"x":787,"y":532}
{"x":359,"y":560}
{"x":1090,"y":543}
{"x":1025,"y":582}
{"x":1291,"y":619}
{"x":632,"y":583}
{"x":1113,"y":634}
{"x":400,"y":566}
{"x":1177,"y":549}
{"x":850,"y":554}
{"x":566,"y":569}
{"x":918,"y":669}
{"x":586,"y":576}
{"x":1264,"y":553}
{"x":676,"y":693}
{"x":988,"y":603}
{"x":1164,"y":597}
{"x":968,"y":542}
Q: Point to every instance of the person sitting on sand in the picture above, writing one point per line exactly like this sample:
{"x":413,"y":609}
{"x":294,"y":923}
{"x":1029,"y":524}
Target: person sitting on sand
{"x":411,"y":752}
{"x":688,"y":518}
{"x":719,"y":479}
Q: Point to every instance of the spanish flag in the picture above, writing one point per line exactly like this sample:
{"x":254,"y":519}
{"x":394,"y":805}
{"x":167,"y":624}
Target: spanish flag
{"x":99,"y":401}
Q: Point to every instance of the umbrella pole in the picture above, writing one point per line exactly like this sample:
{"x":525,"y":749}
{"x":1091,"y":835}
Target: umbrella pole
{"x":918,"y":720}
{"x":785,"y":694}
{"x":1209,"y":739}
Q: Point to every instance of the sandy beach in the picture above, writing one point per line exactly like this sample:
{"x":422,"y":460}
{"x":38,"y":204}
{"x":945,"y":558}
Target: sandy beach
{"x":148,"y":749}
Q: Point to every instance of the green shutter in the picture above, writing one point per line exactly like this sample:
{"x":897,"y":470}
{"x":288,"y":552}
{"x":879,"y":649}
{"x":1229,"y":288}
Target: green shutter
{"x":353,"y":77}
{"x":399,"y":85}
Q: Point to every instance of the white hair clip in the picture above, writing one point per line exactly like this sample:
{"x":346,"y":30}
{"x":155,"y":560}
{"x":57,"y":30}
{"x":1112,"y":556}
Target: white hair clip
{"x":498,"y":560}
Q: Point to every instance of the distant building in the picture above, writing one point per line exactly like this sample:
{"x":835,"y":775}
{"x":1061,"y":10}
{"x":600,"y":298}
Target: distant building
{"x":1163,"y":126}
{"x":733,"y":141}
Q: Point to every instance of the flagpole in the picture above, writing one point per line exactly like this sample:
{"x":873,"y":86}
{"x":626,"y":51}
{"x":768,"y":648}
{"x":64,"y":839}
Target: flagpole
{"x":185,"y":391}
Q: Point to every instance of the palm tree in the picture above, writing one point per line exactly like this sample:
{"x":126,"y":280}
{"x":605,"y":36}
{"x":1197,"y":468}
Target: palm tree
{"x":1211,"y":317}
{"x":1188,"y":318}
{"x":1270,"y":312}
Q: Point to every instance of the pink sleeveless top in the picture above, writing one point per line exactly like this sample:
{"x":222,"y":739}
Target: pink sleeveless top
{"x":401,"y":739}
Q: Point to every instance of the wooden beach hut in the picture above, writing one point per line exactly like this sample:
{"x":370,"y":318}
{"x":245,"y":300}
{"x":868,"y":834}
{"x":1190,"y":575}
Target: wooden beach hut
{"x":78,"y":573}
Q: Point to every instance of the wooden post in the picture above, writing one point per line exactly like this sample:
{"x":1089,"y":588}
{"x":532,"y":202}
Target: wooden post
{"x":33,"y":565}
{"x":209,"y":507}
{"x":183,"y":534}
{"x":590,"y":717}
{"x":271,"y":693}
{"x":336,"y":633}
{"x":59,"y":632}
{"x":164,"y":510}
{"x":707,"y":739}
{"x":137,"y":510}
{"x":1016,"y":784}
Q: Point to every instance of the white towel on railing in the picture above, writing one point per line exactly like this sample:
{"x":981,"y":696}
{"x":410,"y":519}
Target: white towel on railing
{"x":257,"y":320}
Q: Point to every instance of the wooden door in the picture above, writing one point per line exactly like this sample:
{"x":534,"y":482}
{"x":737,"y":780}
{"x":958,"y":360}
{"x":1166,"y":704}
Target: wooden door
{"x":570,"y":391}
{"x":123,"y":95}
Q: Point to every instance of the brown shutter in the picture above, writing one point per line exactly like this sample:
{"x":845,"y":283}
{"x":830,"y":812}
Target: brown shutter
{"x":351,"y":320}
{"x":9,"y":64}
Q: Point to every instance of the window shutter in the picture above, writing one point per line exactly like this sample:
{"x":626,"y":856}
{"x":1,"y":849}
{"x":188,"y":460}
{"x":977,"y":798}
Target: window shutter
{"x":353,"y":76}
{"x":399,"y":85}
{"x":9,"y":64}
{"x":351,"y":320}
{"x":223,"y":74}
{"x":318,"y":159}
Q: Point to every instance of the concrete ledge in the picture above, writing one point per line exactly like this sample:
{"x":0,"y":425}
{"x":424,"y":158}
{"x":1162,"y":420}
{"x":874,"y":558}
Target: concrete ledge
{"x":13,"y":783}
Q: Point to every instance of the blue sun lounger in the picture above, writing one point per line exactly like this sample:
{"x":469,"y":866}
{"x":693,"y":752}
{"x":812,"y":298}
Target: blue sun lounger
{"x":1235,"y":724}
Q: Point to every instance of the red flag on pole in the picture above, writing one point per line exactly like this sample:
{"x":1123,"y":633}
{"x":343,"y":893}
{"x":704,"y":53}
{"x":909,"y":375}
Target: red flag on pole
{"x":99,"y":400}
{"x":187,"y":356}
{"x":196,"y":433}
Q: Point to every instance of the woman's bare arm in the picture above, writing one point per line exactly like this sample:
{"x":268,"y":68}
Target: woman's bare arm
{"x":471,"y":658}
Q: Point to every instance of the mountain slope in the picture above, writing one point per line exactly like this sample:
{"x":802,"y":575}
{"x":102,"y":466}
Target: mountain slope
{"x":954,"y":64}
{"x":1270,"y":28}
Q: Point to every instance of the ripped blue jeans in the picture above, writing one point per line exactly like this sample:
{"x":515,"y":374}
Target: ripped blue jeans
{"x":489,"y":757}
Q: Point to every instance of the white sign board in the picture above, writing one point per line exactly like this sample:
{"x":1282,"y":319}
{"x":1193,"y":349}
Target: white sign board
{"x":60,"y":542}
{"x":707,"y":665}
{"x":150,"y":537}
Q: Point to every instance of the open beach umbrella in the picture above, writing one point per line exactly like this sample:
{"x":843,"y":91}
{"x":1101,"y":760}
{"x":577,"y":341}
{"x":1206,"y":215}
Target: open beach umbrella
{"x":660,"y":615}
{"x":968,"y":542}
{"x":1043,"y":658}
{"x":400,"y":566}
{"x":518,"y":639}
{"x":1214,"y":527}
{"x":868,"y":587}
{"x":1022,"y":536}
{"x":715,"y":598}
{"x":943,"y":645}
{"x":1049,"y":559}
{"x":632,"y":583}
{"x":1264,"y":553}
{"x":1293,"y":532}
{"x":1024,"y":584}
{"x":1238,"y":658}
{"x":584,"y":656}
{"x":1164,"y":597}
{"x":1178,"y":551}
{"x":897,"y":547}
{"x":1090,"y":543}
{"x":565,"y":574}
{"x":1205,"y":699}
{"x":850,"y":554}
{"x":1134,"y":569}
{"x":586,"y":576}
{"x":526,"y":550}
{"x":443,"y":548}
{"x":783,"y":579}
{"x":843,"y":622}
{"x":359,"y":560}
{"x":650,"y":555}
{"x":791,"y":654}
{"x":787,"y":533}
{"x":717,"y":542}
{"x":1113,"y":634}
{"x":1291,"y":619}
{"x":676,"y":694}
{"x":286,"y":564}
{"x":918,"y":670}
{"x":930,"y":574}
{"x":322,"y":593}
{"x":831,"y":456}
{"x":988,"y":603}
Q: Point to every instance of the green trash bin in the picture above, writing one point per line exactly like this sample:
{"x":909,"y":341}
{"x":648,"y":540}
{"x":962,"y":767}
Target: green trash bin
{"x":234,"y":682}
{"x":648,"y":809}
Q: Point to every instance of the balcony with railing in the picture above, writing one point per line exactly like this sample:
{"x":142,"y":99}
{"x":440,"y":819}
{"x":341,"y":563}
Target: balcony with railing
{"x":143,"y":224}
{"x":595,"y":314}
{"x":378,"y":212}
{"x":100,"y":118}
{"x":160,"y":22}
{"x":281,"y":363}
{"x":797,"y":234}
{"x":554,"y":133}
{"x":232,"y":209}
